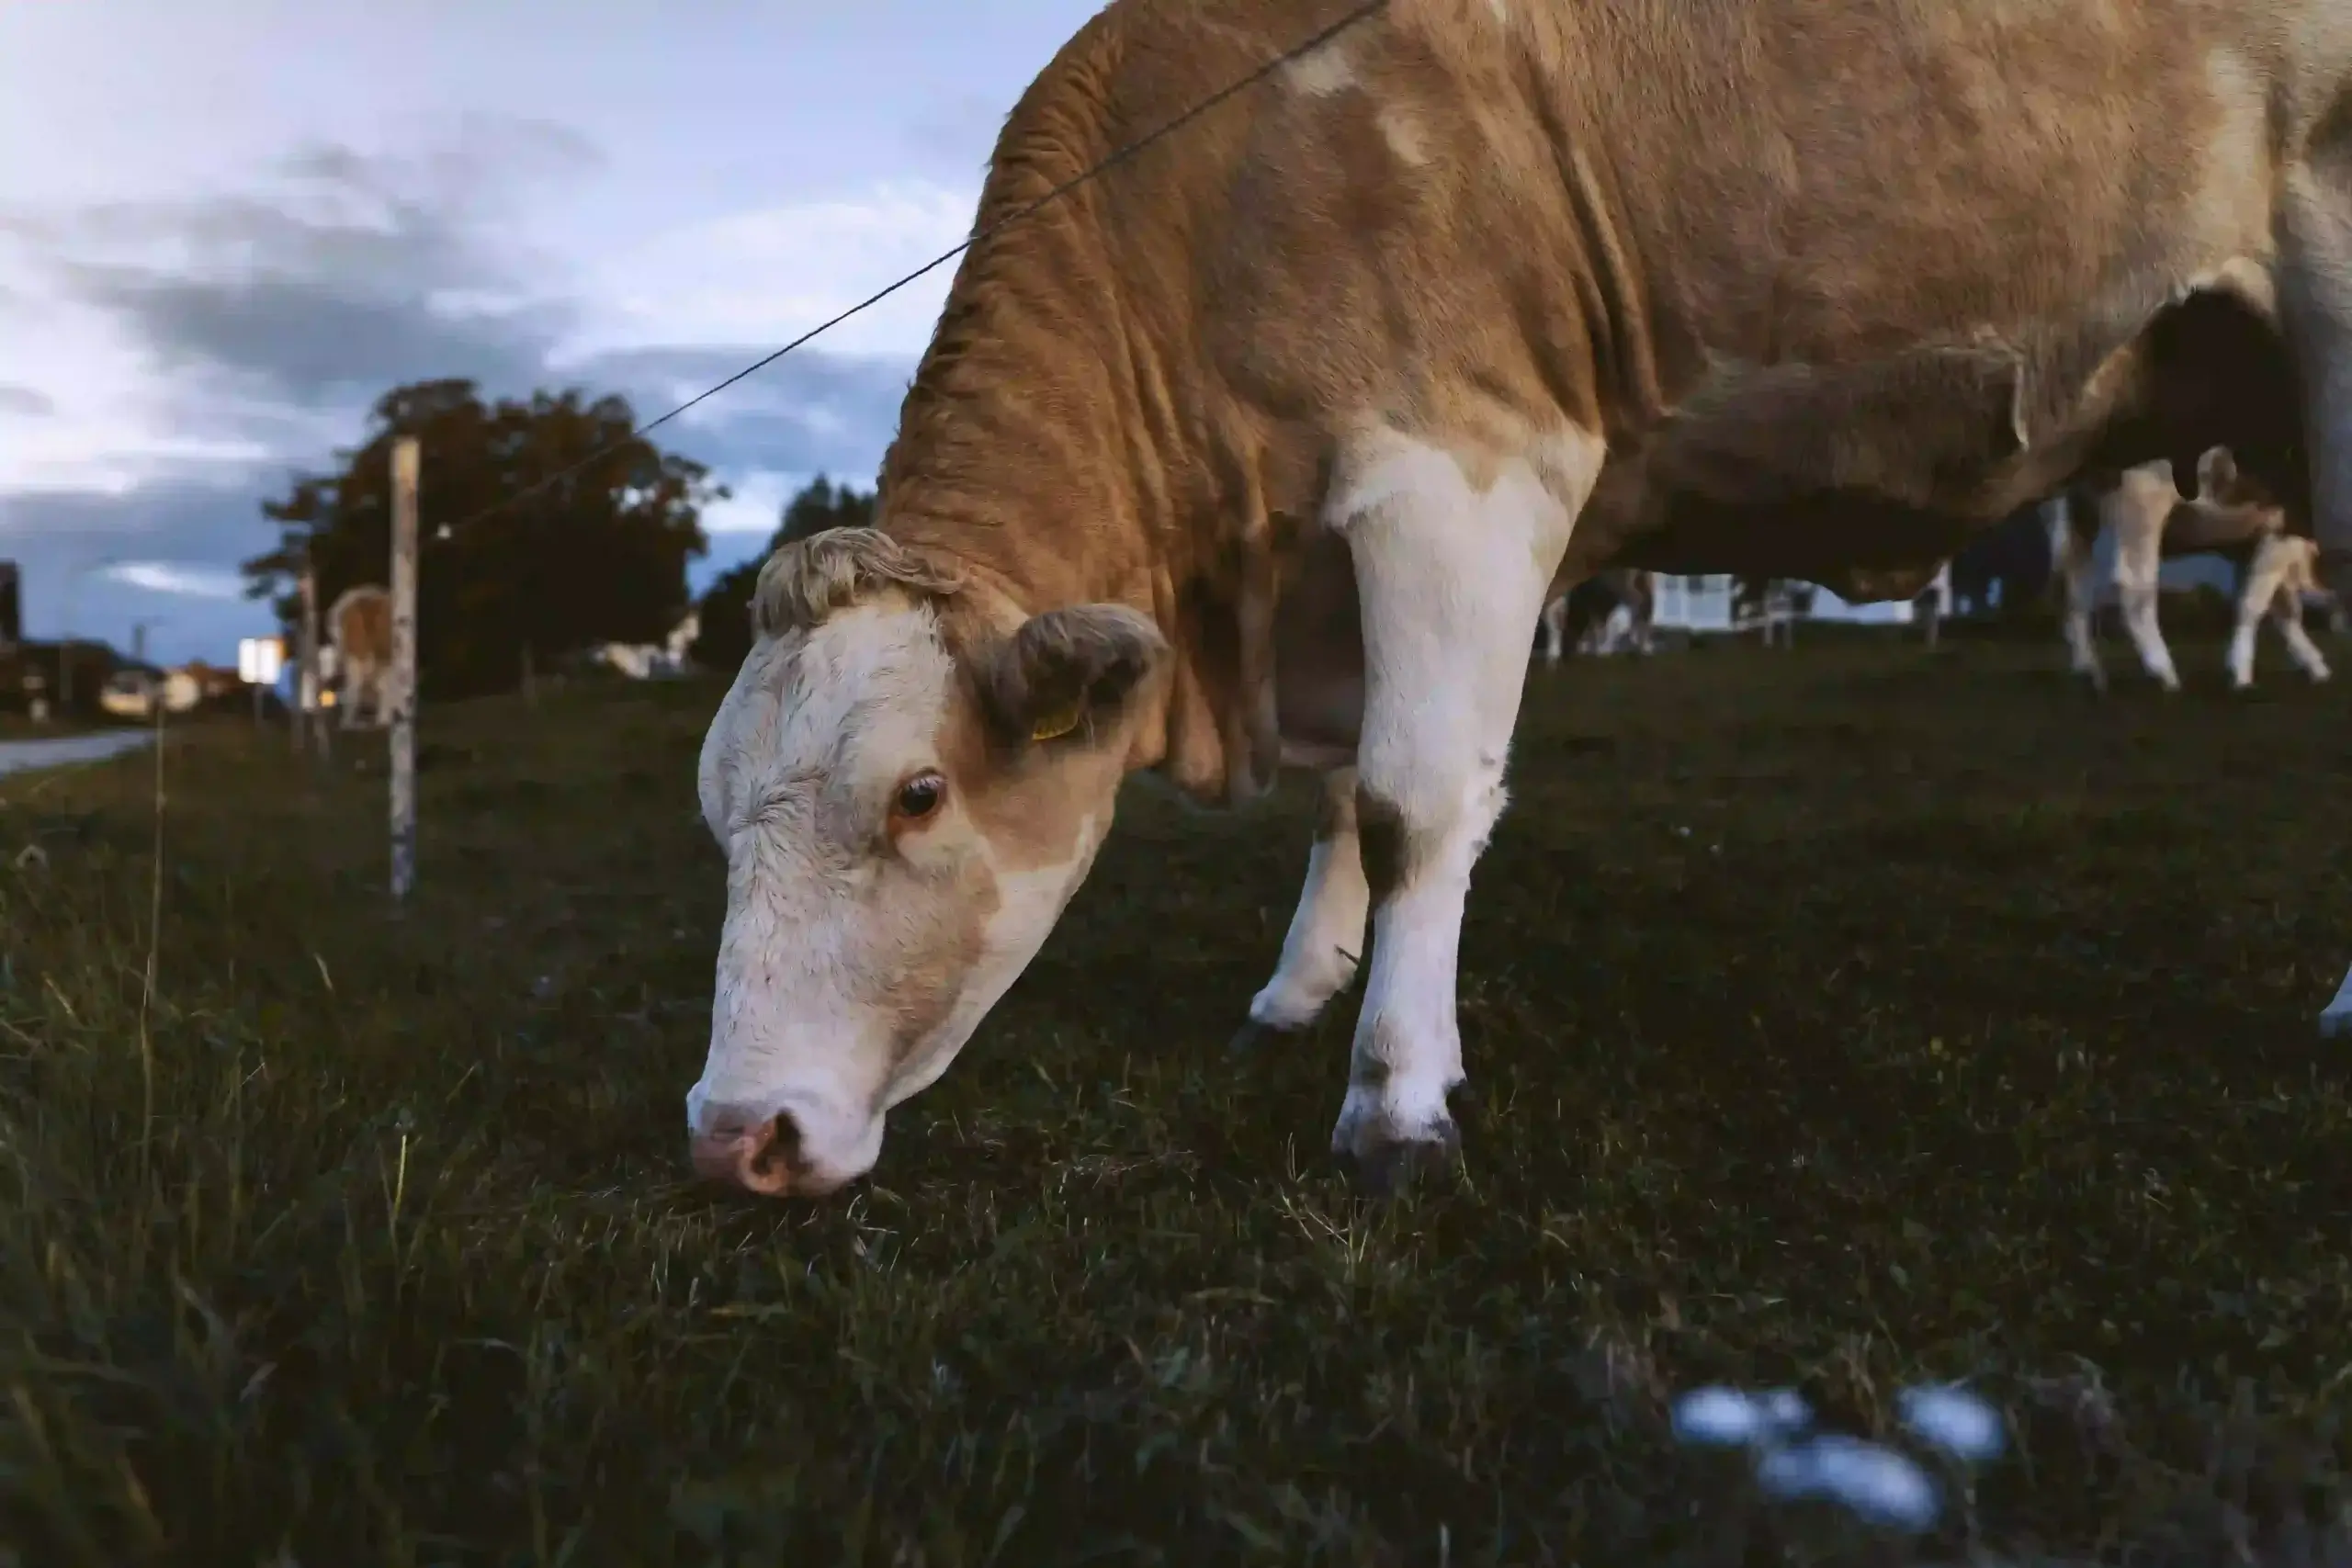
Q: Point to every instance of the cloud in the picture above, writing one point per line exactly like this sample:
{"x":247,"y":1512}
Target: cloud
{"x":773,"y":272}
{"x":97,"y":560}
{"x":811,"y":413}
{"x":348,"y":273}
{"x":209,"y":343}
{"x":179,"y":577}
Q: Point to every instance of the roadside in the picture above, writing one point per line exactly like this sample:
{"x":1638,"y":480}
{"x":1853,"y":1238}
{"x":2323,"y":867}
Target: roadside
{"x":53,"y":751}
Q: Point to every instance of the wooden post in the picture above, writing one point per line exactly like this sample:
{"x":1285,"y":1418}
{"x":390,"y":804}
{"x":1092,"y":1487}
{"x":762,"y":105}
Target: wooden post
{"x":406,"y":462}
{"x":306,"y":654}
{"x":1938,"y":601}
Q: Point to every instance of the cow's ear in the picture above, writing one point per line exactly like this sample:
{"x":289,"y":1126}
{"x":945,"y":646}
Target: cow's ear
{"x":1068,"y":673}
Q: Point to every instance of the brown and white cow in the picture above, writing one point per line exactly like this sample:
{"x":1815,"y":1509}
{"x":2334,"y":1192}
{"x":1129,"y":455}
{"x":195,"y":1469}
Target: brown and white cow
{"x":359,"y":629}
{"x":2153,"y":522}
{"x":1266,"y":446}
{"x":1590,"y":614}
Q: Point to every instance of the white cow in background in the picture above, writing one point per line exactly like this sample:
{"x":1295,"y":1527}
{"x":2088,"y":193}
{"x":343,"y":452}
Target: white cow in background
{"x":2151,"y":523}
{"x":1605,"y":614}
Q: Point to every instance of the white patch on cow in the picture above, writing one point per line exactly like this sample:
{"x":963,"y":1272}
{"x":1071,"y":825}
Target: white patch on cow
{"x":1326,"y":938}
{"x":1404,"y":135}
{"x":1321,"y":72}
{"x":815,"y":731}
{"x":1500,"y":8}
{"x":1451,"y":579}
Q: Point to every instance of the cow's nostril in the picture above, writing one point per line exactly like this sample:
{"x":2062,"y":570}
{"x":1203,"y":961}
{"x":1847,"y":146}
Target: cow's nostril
{"x":778,"y":1160}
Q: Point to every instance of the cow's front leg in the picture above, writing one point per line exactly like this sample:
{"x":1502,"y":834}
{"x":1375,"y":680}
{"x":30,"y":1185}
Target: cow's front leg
{"x":1326,"y":938}
{"x":1555,"y":630}
{"x":1450,"y":578}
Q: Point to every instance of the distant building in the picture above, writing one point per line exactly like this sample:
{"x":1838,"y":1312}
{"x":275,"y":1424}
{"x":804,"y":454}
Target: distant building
{"x":12,"y":607}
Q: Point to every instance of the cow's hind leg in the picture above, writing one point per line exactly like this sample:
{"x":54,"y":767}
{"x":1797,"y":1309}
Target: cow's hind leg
{"x":2299,"y":578}
{"x":2263,"y":593}
{"x":1326,"y":931}
{"x":2138,"y":564}
{"x":2071,"y":557}
{"x":1451,"y":576}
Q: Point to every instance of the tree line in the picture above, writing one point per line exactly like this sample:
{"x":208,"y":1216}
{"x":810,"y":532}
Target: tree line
{"x":509,"y":581}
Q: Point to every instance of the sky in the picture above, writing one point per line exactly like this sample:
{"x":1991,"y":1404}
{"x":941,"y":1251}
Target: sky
{"x":225,"y":229}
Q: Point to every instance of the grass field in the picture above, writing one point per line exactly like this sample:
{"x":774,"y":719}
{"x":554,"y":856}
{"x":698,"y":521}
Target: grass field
{"x":1840,"y":1015}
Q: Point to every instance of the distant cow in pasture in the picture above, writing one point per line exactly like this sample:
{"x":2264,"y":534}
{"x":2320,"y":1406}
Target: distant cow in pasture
{"x":1605,"y":612}
{"x":2153,"y":522}
{"x":359,"y":629}
{"x":1265,"y":450}
{"x":2006,"y":568}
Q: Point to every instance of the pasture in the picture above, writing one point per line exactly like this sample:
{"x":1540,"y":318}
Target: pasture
{"x":1838,"y":1016}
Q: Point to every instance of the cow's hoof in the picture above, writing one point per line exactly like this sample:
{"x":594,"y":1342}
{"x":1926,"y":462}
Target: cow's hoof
{"x":1392,"y":1168}
{"x":1253,"y":1037}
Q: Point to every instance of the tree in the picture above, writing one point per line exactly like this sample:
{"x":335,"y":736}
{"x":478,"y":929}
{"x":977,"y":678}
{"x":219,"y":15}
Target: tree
{"x":725,"y":609}
{"x":599,"y":556}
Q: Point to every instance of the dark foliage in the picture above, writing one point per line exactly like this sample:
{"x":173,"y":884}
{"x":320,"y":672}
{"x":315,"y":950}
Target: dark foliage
{"x":600,"y":557}
{"x":724,"y":610}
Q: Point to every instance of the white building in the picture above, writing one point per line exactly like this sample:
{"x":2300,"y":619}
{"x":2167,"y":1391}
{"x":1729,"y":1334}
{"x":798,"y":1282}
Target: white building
{"x":1706,"y":603}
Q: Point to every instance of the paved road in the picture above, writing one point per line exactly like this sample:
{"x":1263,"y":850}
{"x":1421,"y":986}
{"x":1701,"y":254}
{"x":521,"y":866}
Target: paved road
{"x":16,"y":756}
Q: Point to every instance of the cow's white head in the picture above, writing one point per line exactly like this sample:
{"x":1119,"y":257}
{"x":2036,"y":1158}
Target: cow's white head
{"x":909,"y":785}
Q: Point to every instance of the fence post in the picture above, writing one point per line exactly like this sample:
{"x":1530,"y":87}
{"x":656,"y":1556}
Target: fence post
{"x":407,"y":460}
{"x":306,"y":657}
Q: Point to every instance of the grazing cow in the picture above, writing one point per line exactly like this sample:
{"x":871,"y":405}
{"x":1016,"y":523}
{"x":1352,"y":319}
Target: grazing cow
{"x":359,"y":629}
{"x":2152,"y":524}
{"x":1605,"y":612}
{"x":1266,"y":446}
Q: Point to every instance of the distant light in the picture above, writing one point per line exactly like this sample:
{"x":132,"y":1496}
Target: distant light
{"x":260,"y":659}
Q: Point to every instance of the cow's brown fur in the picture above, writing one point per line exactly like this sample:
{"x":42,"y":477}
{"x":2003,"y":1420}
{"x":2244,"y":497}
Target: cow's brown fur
{"x":359,"y":624}
{"x":1783,"y":288}
{"x":1648,"y":219}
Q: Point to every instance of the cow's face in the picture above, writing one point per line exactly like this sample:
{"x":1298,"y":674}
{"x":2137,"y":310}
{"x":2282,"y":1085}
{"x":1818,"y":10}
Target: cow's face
{"x":907,"y":797}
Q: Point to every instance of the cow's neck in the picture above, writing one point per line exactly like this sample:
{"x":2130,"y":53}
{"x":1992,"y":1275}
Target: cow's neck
{"x":1023,"y":457}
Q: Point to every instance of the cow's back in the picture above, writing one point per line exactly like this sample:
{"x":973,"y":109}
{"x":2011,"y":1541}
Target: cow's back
{"x":1879,"y":244}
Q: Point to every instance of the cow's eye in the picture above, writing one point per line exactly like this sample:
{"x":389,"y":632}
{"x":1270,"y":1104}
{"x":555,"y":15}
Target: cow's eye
{"x":919,"y":797}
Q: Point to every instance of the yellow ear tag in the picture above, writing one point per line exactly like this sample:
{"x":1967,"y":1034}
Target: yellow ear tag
{"x":1054,"y":726}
